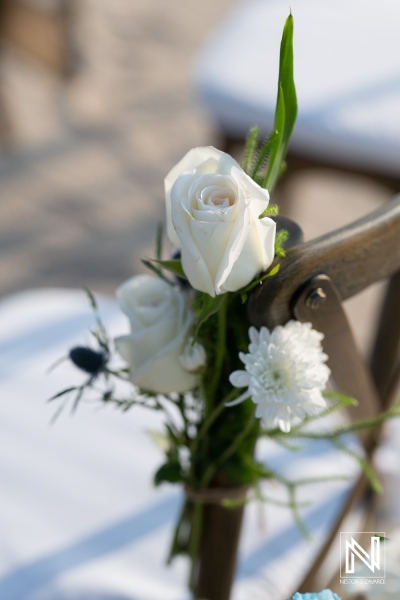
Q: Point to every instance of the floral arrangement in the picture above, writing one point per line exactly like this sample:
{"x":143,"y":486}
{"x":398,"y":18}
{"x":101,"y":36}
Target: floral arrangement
{"x":191,"y":350}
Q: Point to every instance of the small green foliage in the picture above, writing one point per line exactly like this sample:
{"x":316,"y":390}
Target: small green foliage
{"x":63,"y":393}
{"x":206,"y":306}
{"x":262,"y":156}
{"x":259,"y":469}
{"x":92,"y":299}
{"x":173,"y":266}
{"x":156,"y":270}
{"x":272,"y":210}
{"x":244,"y":291}
{"x":170,"y":472}
{"x":281,"y":237}
{"x":342,"y":400}
{"x":249,"y":149}
{"x":364,"y":464}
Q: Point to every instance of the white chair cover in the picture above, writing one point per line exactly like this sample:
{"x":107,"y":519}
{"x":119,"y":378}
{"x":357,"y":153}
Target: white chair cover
{"x":79,"y":516}
{"x":347,"y":73}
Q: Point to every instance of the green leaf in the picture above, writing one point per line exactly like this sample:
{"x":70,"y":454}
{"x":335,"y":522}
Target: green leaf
{"x":173,"y":436}
{"x":66,"y":391}
{"x":208,"y":307}
{"x":170,"y":472}
{"x":275,"y":157}
{"x":286,"y":107}
{"x":286,"y":78}
{"x":152,"y":267}
{"x":341,"y":398}
{"x":382,"y":537}
{"x":259,"y":469}
{"x":364,"y":464}
{"x":259,"y":280}
{"x":92,"y":299}
{"x":174,"y":266}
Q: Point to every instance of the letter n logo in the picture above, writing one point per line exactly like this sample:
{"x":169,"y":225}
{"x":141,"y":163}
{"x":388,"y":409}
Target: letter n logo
{"x":371,"y":559}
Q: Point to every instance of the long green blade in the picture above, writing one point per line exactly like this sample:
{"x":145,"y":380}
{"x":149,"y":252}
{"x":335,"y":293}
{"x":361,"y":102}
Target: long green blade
{"x":286,"y":106}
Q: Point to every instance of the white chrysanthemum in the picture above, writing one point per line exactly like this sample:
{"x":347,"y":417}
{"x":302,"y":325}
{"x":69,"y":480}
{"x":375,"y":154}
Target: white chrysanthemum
{"x":284,"y":372}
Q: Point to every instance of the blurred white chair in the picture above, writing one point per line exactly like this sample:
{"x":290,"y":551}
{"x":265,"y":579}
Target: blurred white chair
{"x":347,"y":73}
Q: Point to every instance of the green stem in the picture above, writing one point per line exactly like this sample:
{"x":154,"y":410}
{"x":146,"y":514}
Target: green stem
{"x":194,"y":544}
{"x":197,"y":519}
{"x":220,"y":350}
{"x":209,"y":420}
{"x":181,"y":406}
{"x":297,"y":432}
{"x":230,"y":450}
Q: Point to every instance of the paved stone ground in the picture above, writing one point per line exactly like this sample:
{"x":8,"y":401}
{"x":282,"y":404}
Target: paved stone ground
{"x":81,"y":179}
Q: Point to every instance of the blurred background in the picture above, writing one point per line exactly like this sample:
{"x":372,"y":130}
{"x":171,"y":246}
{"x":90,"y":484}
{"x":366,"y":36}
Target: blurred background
{"x":97,"y":103}
{"x":96,"y":106}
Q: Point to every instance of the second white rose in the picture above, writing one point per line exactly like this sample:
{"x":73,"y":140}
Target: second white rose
{"x":213,"y":210}
{"x":155,"y":349}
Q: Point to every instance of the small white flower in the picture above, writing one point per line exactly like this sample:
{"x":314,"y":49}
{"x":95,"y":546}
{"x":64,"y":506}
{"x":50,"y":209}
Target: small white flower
{"x":284,"y":373}
{"x":193,"y":357}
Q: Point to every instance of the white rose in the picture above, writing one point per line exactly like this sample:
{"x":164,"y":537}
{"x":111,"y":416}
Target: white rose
{"x":160,"y":327}
{"x":213,"y":211}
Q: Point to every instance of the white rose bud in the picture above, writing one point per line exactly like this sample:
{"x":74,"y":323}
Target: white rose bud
{"x":160,"y":327}
{"x":193,"y":357}
{"x":213,"y":211}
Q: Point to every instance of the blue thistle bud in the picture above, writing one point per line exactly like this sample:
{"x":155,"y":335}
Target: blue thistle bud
{"x":88,"y":360}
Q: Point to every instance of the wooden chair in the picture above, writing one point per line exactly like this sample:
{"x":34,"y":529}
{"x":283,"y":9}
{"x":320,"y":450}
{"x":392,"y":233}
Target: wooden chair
{"x":314,"y":279}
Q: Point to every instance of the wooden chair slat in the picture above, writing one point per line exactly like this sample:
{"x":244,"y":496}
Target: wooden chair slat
{"x":313,"y":280}
{"x":350,"y":373}
{"x":354,"y":257}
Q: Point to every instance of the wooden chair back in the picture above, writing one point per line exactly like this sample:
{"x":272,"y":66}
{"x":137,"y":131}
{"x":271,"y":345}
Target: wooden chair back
{"x":314,"y":278}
